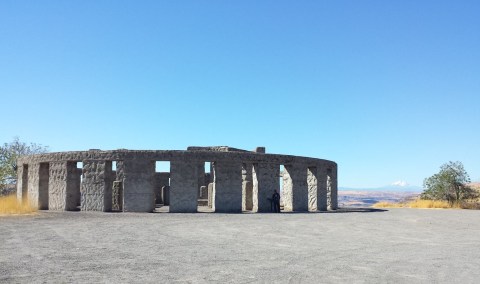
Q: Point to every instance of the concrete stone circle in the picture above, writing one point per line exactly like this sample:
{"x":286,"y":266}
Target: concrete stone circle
{"x":238,"y":180}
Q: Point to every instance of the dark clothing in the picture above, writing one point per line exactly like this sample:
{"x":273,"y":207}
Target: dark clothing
{"x":276,"y":202}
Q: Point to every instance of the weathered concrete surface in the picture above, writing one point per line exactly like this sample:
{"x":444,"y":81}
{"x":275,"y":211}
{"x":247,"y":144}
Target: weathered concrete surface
{"x":322,"y":203}
{"x":33,"y":184}
{"x":396,"y":246}
{"x":96,"y":188}
{"x":203,"y":192}
{"x":142,"y":186}
{"x":227,"y":196}
{"x":247,"y":187}
{"x":211,"y":193}
{"x":265,"y":182}
{"x":138,"y":185}
{"x":332,"y":189}
{"x":295,"y":188}
{"x":317,"y":189}
{"x":170,"y":155}
{"x":312,"y":183}
{"x":22,"y":183}
{"x":183,"y":187}
{"x":201,"y":174}
{"x":38,"y":185}
{"x":166,"y":195}
{"x":63,"y":186}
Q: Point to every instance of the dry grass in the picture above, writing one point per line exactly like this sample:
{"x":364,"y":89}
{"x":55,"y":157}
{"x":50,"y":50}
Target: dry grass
{"x":429,"y":204}
{"x":9,"y":205}
{"x":384,"y":204}
{"x":420,"y":203}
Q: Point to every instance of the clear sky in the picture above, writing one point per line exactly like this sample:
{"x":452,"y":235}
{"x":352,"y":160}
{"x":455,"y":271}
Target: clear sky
{"x":390,"y":90}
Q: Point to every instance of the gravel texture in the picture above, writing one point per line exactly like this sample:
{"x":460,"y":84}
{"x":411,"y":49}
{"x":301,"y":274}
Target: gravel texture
{"x":357,"y":246}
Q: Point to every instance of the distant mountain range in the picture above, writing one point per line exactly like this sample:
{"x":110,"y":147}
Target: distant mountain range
{"x":365,"y":198}
{"x":387,"y":188}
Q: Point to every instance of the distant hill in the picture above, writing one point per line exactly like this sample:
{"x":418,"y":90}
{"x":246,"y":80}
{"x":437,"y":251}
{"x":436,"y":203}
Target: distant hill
{"x":356,"y":198}
{"x":475,"y":185}
{"x":365,"y":197}
{"x":387,"y":188}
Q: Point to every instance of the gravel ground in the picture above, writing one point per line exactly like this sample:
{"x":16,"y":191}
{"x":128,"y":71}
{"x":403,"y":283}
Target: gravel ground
{"x":358,"y":246}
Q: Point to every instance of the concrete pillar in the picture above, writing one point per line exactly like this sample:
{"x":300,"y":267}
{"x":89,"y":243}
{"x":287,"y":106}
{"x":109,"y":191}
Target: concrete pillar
{"x":32,"y":184}
{"x":96,"y":188}
{"x":119,"y":170}
{"x":332,"y":189}
{"x":203,"y":193}
{"x":260,"y":150}
{"x":138,"y":185}
{"x":227,"y":187}
{"x":211,"y":195}
{"x":184,"y":188}
{"x":22,"y":183}
{"x":117,"y":187}
{"x":265,"y":182}
{"x":117,"y":196}
{"x":43,"y":186}
{"x":247,"y":187}
{"x":295,"y":189}
{"x":62,"y":186}
{"x":161,"y":180}
{"x":201,"y":174}
{"x":78,"y":197}
{"x":166,"y":195}
{"x":312,"y":183}
{"x":38,"y":185}
{"x":317,"y":188}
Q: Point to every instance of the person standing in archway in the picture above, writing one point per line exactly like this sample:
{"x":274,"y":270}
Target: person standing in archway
{"x":276,"y":202}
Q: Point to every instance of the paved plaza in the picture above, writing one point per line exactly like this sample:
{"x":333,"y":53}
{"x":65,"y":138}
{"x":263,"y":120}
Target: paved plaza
{"x":349,"y":246}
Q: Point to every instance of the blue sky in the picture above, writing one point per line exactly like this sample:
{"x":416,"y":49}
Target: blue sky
{"x":390,"y":90}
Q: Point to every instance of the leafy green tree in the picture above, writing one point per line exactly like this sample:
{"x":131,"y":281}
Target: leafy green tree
{"x":450,"y":184}
{"x":9,"y":153}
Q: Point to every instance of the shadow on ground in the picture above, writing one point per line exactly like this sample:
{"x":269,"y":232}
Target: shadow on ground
{"x":204,"y":209}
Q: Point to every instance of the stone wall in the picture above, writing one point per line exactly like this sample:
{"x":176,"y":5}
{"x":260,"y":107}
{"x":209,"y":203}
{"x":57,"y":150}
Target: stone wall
{"x":22,"y":182}
{"x":62,"y":186}
{"x":38,"y":185}
{"x":227,"y":187}
{"x":96,"y":188}
{"x":247,"y":187}
{"x":332,"y":189}
{"x":138,"y":185}
{"x":295,"y":189}
{"x":33,"y":183}
{"x":183,"y":187}
{"x":238,"y":181}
